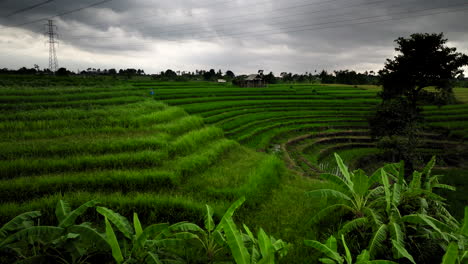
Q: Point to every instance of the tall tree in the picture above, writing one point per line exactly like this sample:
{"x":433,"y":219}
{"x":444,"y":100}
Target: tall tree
{"x":424,"y":61}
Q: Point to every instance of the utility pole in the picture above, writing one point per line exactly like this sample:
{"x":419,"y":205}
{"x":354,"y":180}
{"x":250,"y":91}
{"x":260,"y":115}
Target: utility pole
{"x":52,"y":33}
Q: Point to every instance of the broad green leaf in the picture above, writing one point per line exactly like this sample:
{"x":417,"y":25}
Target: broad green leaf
{"x":235,"y":242}
{"x":18,"y":222}
{"x":361,"y":182}
{"x":349,"y":258}
{"x":376,"y":243}
{"x":388,"y":194}
{"x":113,"y":243}
{"x":62,"y":210}
{"x":427,"y":169}
{"x":337,"y":181}
{"x":269,"y":259}
{"x":426,"y":220}
{"x":153,"y":259}
{"x":249,"y":233}
{"x":137,"y":225}
{"x":401,"y":172}
{"x":332,"y":209}
{"x":118,"y":220}
{"x":185,"y":227}
{"x":415,"y":181}
{"x":464,"y":228}
{"x":70,"y":218}
{"x":264,"y":243}
{"x":185,"y":236}
{"x":149,"y":233}
{"x":230,"y":212}
{"x":90,"y":236}
{"x":327,"y":261}
{"x":34,"y":233}
{"x":209,"y":223}
{"x":166,"y":243}
{"x":402,"y":251}
{"x":331,"y":243}
{"x":397,"y":235}
{"x":344,"y":170}
{"x":324,"y":249}
{"x":363,"y":257}
{"x":445,"y":187}
{"x":320,"y":193}
{"x":451,"y":254}
{"x":352,"y":225}
{"x":369,"y":212}
{"x":375,"y":177}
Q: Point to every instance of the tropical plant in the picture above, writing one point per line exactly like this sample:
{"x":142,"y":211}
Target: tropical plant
{"x":123,"y":242}
{"x":64,"y":243}
{"x":390,"y":216}
{"x":353,"y":193}
{"x":457,"y":251}
{"x":330,"y":250}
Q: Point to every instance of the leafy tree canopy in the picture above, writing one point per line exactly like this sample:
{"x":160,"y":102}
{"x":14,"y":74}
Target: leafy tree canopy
{"x":424,"y":60}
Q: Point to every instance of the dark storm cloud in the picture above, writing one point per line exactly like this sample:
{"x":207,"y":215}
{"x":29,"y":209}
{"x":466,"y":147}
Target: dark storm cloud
{"x":242,"y":35}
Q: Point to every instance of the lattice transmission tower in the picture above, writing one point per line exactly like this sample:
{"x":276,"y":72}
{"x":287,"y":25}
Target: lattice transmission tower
{"x":52,"y":34}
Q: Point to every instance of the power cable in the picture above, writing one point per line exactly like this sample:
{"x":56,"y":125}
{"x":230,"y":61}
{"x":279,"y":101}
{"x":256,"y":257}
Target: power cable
{"x":22,"y":10}
{"x":313,"y":27}
{"x":58,"y":15}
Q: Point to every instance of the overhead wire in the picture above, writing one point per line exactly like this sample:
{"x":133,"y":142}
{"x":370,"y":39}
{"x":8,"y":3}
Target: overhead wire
{"x":320,"y":26}
{"x":25,"y":9}
{"x":58,"y":15}
{"x":288,"y":15}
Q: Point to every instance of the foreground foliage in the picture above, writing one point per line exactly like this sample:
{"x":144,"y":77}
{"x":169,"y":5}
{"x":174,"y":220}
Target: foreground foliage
{"x":390,"y":216}
{"x":122,"y":242}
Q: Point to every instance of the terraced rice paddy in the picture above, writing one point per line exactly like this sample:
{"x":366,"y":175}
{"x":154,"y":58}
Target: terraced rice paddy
{"x":308,"y":123}
{"x":124,"y":148}
{"x":166,"y":155}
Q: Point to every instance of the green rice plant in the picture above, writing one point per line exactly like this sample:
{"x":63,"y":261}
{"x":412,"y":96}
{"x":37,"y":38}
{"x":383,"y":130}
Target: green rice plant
{"x":200,"y":161}
{"x":166,"y":116}
{"x":26,"y":188}
{"x":23,"y":167}
{"x":181,"y":125}
{"x":194,"y":139}
{"x":81,"y":145}
{"x":152,"y":206}
{"x":81,"y":103}
{"x":256,"y":186}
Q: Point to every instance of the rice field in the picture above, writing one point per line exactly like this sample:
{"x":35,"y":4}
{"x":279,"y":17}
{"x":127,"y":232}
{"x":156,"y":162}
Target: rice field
{"x":122,"y":147}
{"x":167,"y":154}
{"x":307,"y":123}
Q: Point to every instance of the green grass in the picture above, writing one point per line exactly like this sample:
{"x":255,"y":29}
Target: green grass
{"x":110,"y":140}
{"x":121,"y":147}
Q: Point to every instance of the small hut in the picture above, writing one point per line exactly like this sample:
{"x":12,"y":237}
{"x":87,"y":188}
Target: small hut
{"x":253,"y":80}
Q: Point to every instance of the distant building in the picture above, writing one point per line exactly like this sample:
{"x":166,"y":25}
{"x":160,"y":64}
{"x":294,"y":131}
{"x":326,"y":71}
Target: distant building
{"x":221,"y":80}
{"x":253,"y":80}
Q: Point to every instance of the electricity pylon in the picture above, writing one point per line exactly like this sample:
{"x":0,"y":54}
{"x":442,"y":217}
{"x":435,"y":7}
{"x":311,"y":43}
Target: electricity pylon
{"x":52,"y":33}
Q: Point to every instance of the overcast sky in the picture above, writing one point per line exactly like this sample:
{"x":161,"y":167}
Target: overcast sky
{"x":240,"y":35}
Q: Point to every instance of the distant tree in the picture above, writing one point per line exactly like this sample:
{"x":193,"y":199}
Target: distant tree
{"x":326,"y":78}
{"x":209,"y":75}
{"x":62,"y":72}
{"x":424,"y":61}
{"x":270,"y":78}
{"x":230,"y":74}
{"x":170,"y":74}
{"x":112,"y":72}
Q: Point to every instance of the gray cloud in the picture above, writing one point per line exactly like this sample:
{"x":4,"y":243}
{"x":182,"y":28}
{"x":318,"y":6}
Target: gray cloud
{"x":240,"y":35}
